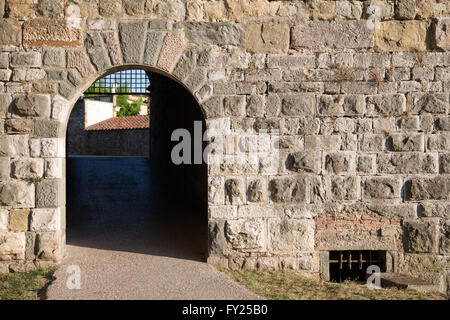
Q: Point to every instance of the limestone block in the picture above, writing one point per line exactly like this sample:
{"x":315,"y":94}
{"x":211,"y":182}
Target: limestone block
{"x":11,"y":32}
{"x":14,"y":145}
{"x":268,"y":37}
{"x":19,"y":220}
{"x":172,"y":48}
{"x":442,"y":34}
{"x":428,"y":188}
{"x":406,"y":142}
{"x":50,"y":32}
{"x":408,"y":163}
{"x":27,"y":168}
{"x":291,"y":235}
{"x":17,"y":194}
{"x":430,"y":103}
{"x":12,"y":246}
{"x":421,"y":236}
{"x":45,"y":219}
{"x":48,"y":193}
{"x":48,"y":246}
{"x":334,"y":34}
{"x":246,"y":234}
{"x":288,"y":190}
{"x":303,"y":161}
{"x":343,"y":187}
{"x":382,"y":188}
{"x":401,"y":36}
{"x":340,"y":163}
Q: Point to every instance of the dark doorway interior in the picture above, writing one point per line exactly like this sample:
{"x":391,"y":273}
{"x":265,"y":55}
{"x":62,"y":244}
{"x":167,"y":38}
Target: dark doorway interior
{"x":136,"y":203}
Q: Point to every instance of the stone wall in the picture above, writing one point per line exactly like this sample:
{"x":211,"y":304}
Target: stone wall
{"x":125,"y":143}
{"x":358,"y":89}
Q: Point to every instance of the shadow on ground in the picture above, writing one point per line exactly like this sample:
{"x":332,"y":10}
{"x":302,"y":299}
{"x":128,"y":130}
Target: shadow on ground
{"x":116,"y":203}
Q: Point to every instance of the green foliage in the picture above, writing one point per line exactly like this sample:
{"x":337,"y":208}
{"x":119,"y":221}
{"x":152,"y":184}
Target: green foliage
{"x":129,"y":109}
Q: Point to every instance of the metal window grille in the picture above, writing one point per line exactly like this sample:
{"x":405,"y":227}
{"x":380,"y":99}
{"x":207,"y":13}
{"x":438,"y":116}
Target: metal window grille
{"x":352,"y":264}
{"x":133,"y":81}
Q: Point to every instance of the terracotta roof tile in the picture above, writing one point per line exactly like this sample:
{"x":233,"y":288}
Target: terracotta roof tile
{"x":122,"y":123}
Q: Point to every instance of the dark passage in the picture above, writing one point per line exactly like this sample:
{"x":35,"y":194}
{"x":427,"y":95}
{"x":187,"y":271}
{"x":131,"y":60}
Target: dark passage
{"x":139,"y":204}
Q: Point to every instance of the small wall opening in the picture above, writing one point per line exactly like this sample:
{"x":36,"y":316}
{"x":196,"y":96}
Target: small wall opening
{"x":353,"y":264}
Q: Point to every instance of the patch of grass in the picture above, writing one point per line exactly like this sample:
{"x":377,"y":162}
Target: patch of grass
{"x":279,"y":285}
{"x":24,"y":286}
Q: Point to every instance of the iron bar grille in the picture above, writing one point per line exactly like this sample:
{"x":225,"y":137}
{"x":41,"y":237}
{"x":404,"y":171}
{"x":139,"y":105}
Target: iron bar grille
{"x":133,"y":81}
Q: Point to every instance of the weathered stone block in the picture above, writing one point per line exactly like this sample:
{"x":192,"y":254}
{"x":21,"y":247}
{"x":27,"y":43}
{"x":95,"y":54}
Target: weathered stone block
{"x":366,"y":164}
{"x":33,"y":105}
{"x":433,"y":209}
{"x":11,"y":32}
{"x":52,"y":147}
{"x":421,"y":236}
{"x":171,"y":50}
{"x":340,"y":163}
{"x":5,"y":169}
{"x":46,"y":128}
{"x":45,"y":220}
{"x":50,"y":32}
{"x":386,"y":105}
{"x":96,"y":51}
{"x":298,"y":105}
{"x":342,"y":187}
{"x":48,"y":193}
{"x":291,"y":235}
{"x":19,"y":125}
{"x":78,"y":59}
{"x":14,"y":145}
{"x":54,"y":57}
{"x":234,"y":105}
{"x":12,"y":246}
{"x":288,"y":189}
{"x":439,"y":142}
{"x":153,"y":47}
{"x":335,"y":34}
{"x":372,"y":142}
{"x":48,"y":246}
{"x":405,"y":9}
{"x":4,"y":220}
{"x":53,"y":168}
{"x":268,"y":37}
{"x":234,"y":191}
{"x":27,"y":168}
{"x":341,"y":105}
{"x":256,"y":190}
{"x":407,"y":163}
{"x":109,"y":8}
{"x":406,"y":142}
{"x":5,"y":102}
{"x":19,"y":220}
{"x":382,"y":188}
{"x":428,"y":188}
{"x":17,"y":194}
{"x":401,"y":36}
{"x":430,"y":103}
{"x":442,"y":34}
{"x":303,"y":161}
{"x":444,"y":161}
{"x":132,"y":40}
{"x":328,"y":143}
{"x":246,"y":234}
{"x":219,"y":33}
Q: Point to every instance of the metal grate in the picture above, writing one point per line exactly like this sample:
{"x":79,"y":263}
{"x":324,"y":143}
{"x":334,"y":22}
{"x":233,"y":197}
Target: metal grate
{"x":133,"y":81}
{"x":352,"y":264}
